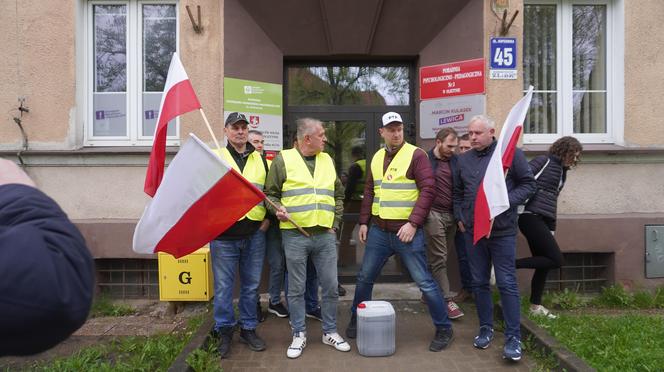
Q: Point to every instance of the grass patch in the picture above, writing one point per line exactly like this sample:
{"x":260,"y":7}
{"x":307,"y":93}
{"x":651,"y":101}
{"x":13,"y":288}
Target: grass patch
{"x":104,"y":306}
{"x":565,"y":300}
{"x":155,"y":353}
{"x":544,"y":361}
{"x":627,"y":342}
{"x":205,"y":360}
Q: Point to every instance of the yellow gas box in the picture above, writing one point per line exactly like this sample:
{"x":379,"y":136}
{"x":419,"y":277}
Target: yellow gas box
{"x":187,"y":278}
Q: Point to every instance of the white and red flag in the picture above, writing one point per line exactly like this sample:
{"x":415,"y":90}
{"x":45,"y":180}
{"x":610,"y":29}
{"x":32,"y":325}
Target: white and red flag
{"x":178,"y":98}
{"x":492,"y":198}
{"x":200,"y":197}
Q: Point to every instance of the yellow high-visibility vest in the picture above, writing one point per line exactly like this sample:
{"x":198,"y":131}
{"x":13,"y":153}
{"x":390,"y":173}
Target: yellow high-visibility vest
{"x":359,"y":187}
{"x":254,"y":172}
{"x":308,"y":200}
{"x":394,"y":193}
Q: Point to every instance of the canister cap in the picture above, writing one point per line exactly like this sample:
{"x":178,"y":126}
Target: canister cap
{"x":361,"y":305}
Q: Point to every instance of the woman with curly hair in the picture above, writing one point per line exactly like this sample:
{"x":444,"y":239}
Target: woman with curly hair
{"x":538,"y":220}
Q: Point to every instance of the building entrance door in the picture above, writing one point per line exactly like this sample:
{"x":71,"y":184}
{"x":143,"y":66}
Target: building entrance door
{"x":352,"y":139}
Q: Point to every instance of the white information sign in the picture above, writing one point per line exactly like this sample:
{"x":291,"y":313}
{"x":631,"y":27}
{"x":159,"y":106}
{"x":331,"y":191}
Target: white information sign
{"x":452,"y":112}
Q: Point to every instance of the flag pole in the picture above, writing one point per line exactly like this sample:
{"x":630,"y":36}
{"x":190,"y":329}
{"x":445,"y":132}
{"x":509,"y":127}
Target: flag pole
{"x":300,"y":229}
{"x":207,"y":123}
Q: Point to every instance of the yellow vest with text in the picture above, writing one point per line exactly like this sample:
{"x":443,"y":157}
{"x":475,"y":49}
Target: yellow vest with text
{"x":254,"y":172}
{"x":394,"y":193}
{"x":308,"y":199}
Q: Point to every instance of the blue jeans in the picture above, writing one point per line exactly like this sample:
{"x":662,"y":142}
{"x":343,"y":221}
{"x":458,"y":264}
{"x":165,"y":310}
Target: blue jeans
{"x":276,"y":260}
{"x":310,"y":288}
{"x":227,"y":255}
{"x":321,"y":249}
{"x":380,"y":246}
{"x":462,"y":257}
{"x":501,"y":251}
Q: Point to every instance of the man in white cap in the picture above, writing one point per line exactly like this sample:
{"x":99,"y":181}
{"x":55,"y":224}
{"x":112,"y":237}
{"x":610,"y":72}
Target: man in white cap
{"x":398,"y":193}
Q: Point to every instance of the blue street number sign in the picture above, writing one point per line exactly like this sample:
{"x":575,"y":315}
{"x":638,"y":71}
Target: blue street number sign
{"x":502,"y":64}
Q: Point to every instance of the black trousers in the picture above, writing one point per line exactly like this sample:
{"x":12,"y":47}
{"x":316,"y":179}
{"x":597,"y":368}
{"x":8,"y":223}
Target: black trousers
{"x":545,"y":251}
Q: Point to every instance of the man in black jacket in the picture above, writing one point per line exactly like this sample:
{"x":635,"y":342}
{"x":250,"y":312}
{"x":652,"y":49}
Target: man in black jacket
{"x":47,"y":272}
{"x":500,"y":247}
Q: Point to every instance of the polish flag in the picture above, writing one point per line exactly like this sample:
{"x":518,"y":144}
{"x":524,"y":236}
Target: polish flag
{"x":492,"y":198}
{"x":178,"y":98}
{"x":200,"y":197}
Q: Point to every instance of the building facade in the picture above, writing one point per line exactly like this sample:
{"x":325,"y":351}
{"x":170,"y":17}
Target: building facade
{"x":90,"y":74}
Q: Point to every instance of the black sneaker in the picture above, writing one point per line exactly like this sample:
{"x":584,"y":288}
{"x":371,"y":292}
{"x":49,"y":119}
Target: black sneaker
{"x":249,"y":337}
{"x":260,"y":315}
{"x":442,"y":339}
{"x":351,"y":330}
{"x":315,"y":314}
{"x":225,"y":335}
{"x":278,"y":309}
{"x":341,"y":290}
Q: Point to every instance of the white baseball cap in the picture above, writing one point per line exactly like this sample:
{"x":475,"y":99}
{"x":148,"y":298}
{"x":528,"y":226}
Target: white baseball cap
{"x":391,"y":117}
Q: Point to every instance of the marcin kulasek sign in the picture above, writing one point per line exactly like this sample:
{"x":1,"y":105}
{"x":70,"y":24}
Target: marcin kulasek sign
{"x":451,"y":93}
{"x":261,"y":103}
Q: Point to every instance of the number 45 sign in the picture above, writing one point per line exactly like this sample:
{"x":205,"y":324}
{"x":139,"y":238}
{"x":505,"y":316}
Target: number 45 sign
{"x":503,"y":58}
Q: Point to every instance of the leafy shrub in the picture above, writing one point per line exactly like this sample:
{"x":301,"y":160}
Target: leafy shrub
{"x":565,"y":300}
{"x":613,"y":296}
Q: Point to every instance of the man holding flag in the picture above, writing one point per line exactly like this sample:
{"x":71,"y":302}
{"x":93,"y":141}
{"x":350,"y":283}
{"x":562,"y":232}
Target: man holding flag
{"x":485,"y":203}
{"x":242,"y":244}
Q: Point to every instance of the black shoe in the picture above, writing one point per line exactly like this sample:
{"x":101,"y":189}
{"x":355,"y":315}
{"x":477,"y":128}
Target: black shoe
{"x":351,"y":330}
{"x":443,"y":338}
{"x":225,"y":335}
{"x":249,"y":337}
{"x":315,"y":314}
{"x":260,"y":315}
{"x":342,"y":290}
{"x":278,"y":309}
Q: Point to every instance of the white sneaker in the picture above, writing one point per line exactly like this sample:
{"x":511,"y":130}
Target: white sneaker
{"x":333,"y":339}
{"x":542,"y":311}
{"x":298,"y":344}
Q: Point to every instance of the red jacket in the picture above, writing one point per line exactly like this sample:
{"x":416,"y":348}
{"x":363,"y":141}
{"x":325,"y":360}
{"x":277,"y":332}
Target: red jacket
{"x":420,"y":171}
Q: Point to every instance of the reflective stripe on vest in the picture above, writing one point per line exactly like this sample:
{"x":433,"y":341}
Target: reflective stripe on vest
{"x":309,"y":200}
{"x":394,"y":193}
{"x":254,"y":172}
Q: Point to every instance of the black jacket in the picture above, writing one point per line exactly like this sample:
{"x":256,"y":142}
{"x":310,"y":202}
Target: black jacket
{"x":469,"y":172}
{"x":46,"y":271}
{"x":245,"y":228}
{"x":549,"y":184}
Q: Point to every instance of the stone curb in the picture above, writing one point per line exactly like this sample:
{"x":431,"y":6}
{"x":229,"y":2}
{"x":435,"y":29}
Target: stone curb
{"x":567,"y":360}
{"x":198,"y":341}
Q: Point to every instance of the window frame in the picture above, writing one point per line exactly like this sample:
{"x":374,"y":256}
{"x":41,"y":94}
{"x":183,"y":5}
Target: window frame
{"x":564,"y":79}
{"x":134,"y":89}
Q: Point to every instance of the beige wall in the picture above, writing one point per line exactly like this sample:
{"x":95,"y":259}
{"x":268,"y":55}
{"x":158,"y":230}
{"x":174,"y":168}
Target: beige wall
{"x":613,"y":189}
{"x":502,"y":94}
{"x":644,"y":73}
{"x":37,"y":62}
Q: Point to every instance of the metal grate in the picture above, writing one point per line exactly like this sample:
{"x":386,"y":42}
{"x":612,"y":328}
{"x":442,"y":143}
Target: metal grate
{"x":582,"y":272}
{"x":128,"y":278}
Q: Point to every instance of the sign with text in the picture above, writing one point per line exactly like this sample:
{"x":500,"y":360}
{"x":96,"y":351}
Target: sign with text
{"x":454,"y":112}
{"x":261,"y":103}
{"x":503,"y":58}
{"x":452,"y":79}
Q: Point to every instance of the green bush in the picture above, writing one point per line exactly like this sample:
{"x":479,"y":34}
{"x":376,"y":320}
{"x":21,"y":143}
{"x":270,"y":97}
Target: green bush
{"x":104,"y":306}
{"x":205,"y":360}
{"x":613,"y":296}
{"x":659,"y":298}
{"x":643,"y":300}
{"x":565,"y":300}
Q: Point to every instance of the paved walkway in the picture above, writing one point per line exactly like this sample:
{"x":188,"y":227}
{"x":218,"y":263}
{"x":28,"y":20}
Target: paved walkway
{"x":414,"y":332}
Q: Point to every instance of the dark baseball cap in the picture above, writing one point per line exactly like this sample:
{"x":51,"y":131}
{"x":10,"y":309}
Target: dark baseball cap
{"x":235,"y":117}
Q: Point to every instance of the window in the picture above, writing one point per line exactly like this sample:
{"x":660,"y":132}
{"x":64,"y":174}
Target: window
{"x":572,"y":57}
{"x":129,"y":49}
